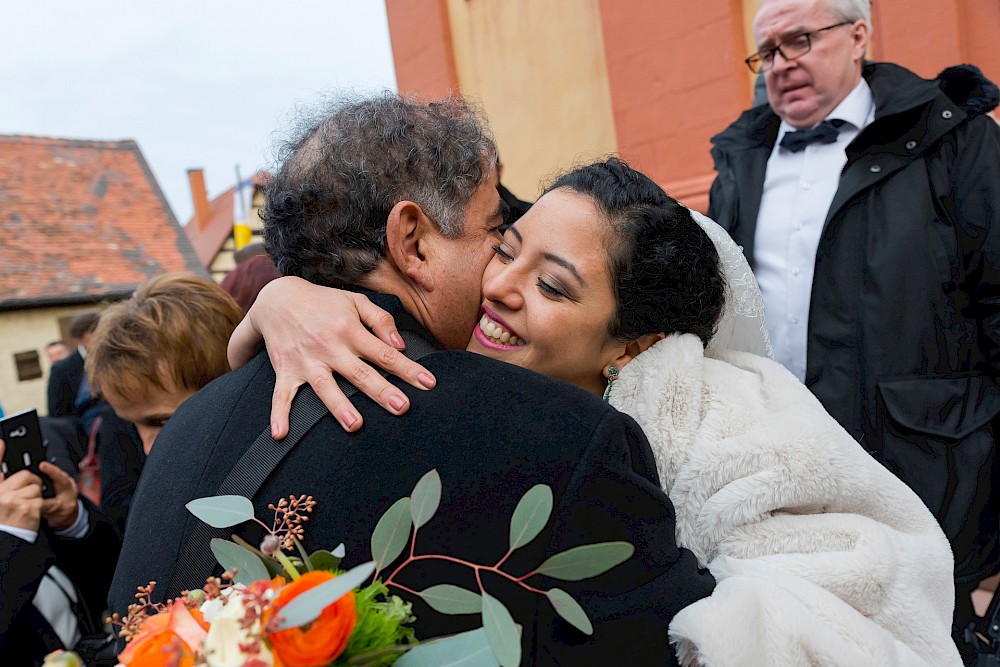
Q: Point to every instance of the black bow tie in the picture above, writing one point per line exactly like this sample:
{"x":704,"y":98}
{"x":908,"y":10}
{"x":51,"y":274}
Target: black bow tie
{"x":824,"y":133}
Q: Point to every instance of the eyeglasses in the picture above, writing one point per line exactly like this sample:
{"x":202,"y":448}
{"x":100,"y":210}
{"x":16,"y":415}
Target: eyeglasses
{"x":791,"y":49}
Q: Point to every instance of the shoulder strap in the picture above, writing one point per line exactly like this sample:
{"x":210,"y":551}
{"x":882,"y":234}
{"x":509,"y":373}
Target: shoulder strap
{"x":196,"y":561}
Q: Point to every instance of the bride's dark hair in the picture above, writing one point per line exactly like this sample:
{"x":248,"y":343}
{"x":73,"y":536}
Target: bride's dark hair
{"x":664,"y":268}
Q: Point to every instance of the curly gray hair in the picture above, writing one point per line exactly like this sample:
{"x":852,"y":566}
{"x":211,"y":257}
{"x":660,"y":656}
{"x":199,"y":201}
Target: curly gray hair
{"x":326,"y":207}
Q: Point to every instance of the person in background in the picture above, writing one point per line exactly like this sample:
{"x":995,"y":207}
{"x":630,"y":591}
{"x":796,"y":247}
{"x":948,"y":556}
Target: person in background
{"x":66,"y":375}
{"x":866,"y":200}
{"x":57,"y":556}
{"x":245,"y":281}
{"x":56,"y":351}
{"x":155,"y":350}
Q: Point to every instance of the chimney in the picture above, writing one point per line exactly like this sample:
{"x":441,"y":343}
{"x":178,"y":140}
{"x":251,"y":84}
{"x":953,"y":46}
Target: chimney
{"x":196,"y":177}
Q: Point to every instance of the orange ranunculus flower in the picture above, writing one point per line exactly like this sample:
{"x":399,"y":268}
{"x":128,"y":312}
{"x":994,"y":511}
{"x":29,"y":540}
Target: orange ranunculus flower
{"x":317,"y":643}
{"x":168,"y":638}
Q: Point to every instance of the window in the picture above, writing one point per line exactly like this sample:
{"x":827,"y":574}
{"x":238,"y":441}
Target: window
{"x":28,"y":365}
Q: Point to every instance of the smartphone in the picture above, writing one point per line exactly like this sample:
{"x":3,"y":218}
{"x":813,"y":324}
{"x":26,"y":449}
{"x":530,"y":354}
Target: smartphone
{"x":25,"y":447}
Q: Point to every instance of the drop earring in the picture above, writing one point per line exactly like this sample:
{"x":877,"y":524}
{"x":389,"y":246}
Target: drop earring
{"x":612,"y":376}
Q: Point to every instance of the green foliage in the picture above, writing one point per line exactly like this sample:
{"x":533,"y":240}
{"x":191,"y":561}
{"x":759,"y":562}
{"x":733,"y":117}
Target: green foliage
{"x":309,"y":604}
{"x":586,"y":561}
{"x":530,"y":515}
{"x":232,"y":557}
{"x":467,"y":649}
{"x":382,"y":621}
{"x":449,"y":599}
{"x":221,"y":511}
{"x":501,"y":631}
{"x":390,"y":534}
{"x":570,"y":610}
{"x":425,"y":498}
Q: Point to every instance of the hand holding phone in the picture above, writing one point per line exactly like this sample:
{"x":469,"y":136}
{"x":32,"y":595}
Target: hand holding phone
{"x":25,"y":449}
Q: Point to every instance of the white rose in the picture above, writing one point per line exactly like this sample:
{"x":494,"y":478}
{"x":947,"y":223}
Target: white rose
{"x":222,"y":645}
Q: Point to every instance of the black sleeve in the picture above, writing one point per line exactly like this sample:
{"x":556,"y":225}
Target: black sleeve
{"x":615,"y":495}
{"x":90,"y":561}
{"x":22,"y":566}
{"x":121,"y":455}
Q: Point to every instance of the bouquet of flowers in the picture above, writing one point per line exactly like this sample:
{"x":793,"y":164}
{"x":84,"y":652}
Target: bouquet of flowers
{"x":279,"y":606}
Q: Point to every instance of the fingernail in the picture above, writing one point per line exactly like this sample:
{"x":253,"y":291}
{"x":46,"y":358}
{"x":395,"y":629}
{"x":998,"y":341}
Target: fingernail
{"x":348,"y":419}
{"x":397,"y":402}
{"x":426,"y":379}
{"x":397,"y":340}
{"x":274,"y":430}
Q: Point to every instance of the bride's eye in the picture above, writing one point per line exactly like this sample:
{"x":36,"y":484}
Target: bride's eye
{"x":549,"y":289}
{"x":502,"y":254}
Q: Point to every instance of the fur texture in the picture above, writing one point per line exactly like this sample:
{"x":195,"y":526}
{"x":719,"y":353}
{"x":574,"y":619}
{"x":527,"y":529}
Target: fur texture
{"x":822,"y":555}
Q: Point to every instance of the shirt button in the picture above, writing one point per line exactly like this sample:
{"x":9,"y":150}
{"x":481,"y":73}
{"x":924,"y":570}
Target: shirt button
{"x":806,"y":186}
{"x":797,"y":225}
{"x":875,"y":169}
{"x":795,"y":270}
{"x":794,"y":320}
{"x":911,"y":144}
{"x":946,"y":113}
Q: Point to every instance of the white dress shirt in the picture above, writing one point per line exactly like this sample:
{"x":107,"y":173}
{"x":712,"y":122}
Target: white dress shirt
{"x":798,"y":190}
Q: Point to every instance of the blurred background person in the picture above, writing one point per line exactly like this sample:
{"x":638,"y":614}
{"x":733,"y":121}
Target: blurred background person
{"x":56,"y":351}
{"x":146,"y":357}
{"x":67,"y":375}
{"x":245,"y":281}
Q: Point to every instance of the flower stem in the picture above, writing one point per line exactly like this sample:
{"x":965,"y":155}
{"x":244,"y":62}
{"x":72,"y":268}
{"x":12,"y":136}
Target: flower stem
{"x":287,"y":564}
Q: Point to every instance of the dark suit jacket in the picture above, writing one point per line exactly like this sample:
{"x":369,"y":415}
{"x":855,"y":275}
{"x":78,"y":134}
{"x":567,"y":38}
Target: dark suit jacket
{"x":64,"y":384}
{"x":492,"y":431}
{"x":25,"y":636}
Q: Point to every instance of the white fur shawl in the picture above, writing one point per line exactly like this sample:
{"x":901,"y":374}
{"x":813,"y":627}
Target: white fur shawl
{"x":822,"y":555}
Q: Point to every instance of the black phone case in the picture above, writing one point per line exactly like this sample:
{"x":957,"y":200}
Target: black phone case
{"x":25,"y":447}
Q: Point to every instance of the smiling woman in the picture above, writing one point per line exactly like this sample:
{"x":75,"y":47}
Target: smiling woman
{"x":600,"y":268}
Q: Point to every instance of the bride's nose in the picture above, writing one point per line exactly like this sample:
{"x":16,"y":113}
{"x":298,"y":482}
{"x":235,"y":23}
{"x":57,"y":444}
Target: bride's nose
{"x":504,"y":284}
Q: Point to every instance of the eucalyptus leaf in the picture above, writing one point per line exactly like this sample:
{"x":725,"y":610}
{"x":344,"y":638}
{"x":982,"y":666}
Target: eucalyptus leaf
{"x":501,"y":631}
{"x":307,"y":606}
{"x":467,"y":649}
{"x":248,"y":566}
{"x":302,"y":552}
{"x":221,"y":511}
{"x":449,"y":599}
{"x":389,"y":536}
{"x":425,"y":498}
{"x":570,"y":610}
{"x":324,"y":560}
{"x":586,"y":561}
{"x":530,"y":515}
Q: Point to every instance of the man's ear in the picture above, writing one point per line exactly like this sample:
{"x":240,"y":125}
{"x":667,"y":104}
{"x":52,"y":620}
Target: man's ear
{"x":407,"y":237}
{"x":636,"y":347}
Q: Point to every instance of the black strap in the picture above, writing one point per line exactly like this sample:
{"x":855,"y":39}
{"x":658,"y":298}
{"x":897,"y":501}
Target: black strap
{"x":196,"y":561}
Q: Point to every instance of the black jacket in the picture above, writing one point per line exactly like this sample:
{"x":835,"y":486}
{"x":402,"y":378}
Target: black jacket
{"x":492,"y":430}
{"x":25,"y":636}
{"x":64,"y":384}
{"x":904,"y":323}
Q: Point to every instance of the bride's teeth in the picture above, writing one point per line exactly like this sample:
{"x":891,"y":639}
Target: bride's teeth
{"x":504,"y":337}
{"x":512,"y":340}
{"x":490,"y":328}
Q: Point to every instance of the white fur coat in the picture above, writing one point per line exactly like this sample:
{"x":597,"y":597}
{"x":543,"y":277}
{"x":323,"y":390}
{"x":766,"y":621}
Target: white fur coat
{"x":822,"y":556}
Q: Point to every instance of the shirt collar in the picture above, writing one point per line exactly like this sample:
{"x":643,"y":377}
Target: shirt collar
{"x":856,"y":110}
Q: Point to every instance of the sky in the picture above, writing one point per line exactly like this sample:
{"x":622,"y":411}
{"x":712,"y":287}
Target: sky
{"x":209,"y":84}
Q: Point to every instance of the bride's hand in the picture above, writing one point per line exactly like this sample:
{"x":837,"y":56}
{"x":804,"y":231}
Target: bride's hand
{"x":313,"y":331}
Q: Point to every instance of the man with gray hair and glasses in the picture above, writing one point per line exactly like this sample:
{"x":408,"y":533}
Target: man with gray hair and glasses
{"x":866,"y":199}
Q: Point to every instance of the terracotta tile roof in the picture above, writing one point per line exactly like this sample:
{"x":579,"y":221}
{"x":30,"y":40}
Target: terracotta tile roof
{"x":80,"y":220}
{"x":208,"y":239}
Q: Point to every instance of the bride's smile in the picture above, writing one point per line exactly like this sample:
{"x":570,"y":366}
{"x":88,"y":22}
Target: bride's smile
{"x":548,"y":300}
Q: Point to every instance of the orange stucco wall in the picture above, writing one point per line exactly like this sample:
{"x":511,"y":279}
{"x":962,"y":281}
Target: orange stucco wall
{"x":674,"y":68}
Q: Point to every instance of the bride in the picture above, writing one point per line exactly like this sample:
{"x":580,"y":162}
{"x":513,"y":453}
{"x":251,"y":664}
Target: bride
{"x":821,"y":555}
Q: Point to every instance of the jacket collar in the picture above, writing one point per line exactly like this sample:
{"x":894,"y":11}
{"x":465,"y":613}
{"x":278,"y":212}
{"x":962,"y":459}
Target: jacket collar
{"x":392,"y":305}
